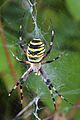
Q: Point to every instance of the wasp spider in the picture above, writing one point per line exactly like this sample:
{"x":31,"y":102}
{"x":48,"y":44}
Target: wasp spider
{"x":35,"y":52}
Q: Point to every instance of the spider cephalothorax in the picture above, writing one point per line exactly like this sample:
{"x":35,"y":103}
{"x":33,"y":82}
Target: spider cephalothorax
{"x":35,"y":52}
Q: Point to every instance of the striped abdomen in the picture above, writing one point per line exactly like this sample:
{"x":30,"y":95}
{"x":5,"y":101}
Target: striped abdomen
{"x":35,"y":50}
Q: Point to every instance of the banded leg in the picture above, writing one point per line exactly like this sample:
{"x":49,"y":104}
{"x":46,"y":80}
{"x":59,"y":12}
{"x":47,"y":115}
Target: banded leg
{"x":51,"y":92}
{"x":21,"y":91}
{"x":53,"y":59}
{"x":19,"y":60}
{"x":45,"y":78}
{"x":17,"y":84}
{"x":50,"y":86}
{"x":51,"y":44}
{"x":21,"y":94}
{"x":21,"y":40}
{"x":20,"y":82}
{"x":54,"y":103}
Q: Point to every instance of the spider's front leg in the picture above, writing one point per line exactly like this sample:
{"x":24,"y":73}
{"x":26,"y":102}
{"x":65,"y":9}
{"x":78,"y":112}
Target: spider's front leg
{"x":22,"y":43}
{"x":51,"y":44}
{"x":23,"y":78}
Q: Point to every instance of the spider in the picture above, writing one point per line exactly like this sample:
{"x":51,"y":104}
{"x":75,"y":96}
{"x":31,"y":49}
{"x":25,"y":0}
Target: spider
{"x":35,"y":52}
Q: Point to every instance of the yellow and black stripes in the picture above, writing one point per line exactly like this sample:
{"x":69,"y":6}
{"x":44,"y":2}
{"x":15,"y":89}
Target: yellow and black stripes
{"x":35,"y":50}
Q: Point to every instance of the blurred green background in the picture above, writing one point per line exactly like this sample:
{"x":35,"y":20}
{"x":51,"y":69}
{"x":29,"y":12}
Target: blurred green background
{"x":64,"y":73}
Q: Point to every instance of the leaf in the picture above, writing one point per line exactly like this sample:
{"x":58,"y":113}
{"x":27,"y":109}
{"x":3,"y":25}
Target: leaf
{"x":74,"y":8}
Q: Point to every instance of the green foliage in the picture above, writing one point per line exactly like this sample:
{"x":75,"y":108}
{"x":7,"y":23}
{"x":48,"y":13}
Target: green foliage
{"x":67,"y":38}
{"x":74,"y":8}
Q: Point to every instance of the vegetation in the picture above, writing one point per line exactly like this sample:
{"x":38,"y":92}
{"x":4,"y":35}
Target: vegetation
{"x":64,"y":16}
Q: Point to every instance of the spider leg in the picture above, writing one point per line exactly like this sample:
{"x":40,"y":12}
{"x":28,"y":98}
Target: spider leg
{"x":21,"y":40}
{"x":51,"y":92}
{"x":51,"y":44}
{"x":54,"y":103}
{"x":45,"y":78}
{"x":19,"y":60}
{"x":56,"y":58}
{"x":20,"y":82}
{"x":17,"y":84}
{"x":21,"y":94}
{"x":50,"y":85}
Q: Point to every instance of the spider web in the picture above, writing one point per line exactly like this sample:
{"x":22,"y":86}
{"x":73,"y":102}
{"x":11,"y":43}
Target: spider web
{"x":26,"y":112}
{"x":11,"y":20}
{"x":30,"y":7}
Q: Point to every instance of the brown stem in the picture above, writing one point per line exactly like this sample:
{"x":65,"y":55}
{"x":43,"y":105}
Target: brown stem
{"x":73,"y":111}
{"x":4,"y":43}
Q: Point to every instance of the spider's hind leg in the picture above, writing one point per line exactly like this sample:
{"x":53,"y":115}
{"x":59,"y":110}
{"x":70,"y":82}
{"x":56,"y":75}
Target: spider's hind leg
{"x":21,"y":94}
{"x":21,"y":91}
{"x":51,"y":87}
{"x":20,"y":82}
{"x":17,"y":84}
{"x":51,"y":92}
